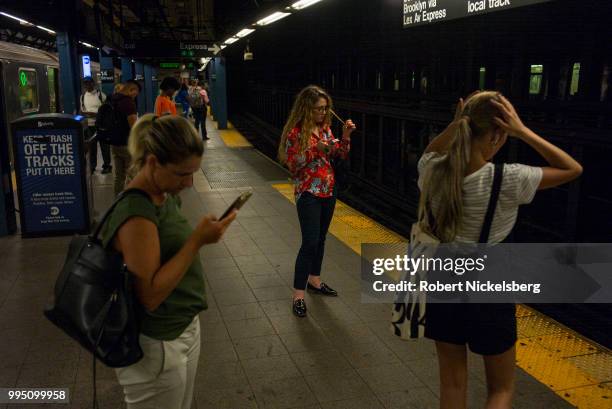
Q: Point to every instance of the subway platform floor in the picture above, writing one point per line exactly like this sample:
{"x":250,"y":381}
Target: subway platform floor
{"x":255,"y":353}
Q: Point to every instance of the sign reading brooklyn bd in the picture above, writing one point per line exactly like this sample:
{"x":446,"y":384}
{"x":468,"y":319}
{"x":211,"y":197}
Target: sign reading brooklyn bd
{"x":418,"y":12}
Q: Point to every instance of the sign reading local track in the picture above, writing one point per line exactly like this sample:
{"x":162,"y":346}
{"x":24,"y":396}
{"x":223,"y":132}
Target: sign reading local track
{"x":418,"y":12}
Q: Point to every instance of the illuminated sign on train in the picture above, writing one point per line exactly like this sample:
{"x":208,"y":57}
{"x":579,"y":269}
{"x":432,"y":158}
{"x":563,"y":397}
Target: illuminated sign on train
{"x":418,"y":12}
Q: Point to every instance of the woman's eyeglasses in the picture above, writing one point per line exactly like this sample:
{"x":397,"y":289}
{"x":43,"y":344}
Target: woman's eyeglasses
{"x":322,"y":109}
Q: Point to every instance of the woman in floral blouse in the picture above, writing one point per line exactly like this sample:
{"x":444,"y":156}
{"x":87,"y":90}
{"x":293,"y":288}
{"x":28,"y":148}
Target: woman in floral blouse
{"x":306,"y":147}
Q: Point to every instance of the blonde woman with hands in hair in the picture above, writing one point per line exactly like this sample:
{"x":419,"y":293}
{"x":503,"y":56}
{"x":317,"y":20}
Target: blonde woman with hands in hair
{"x":161,"y":250}
{"x":455,"y":178}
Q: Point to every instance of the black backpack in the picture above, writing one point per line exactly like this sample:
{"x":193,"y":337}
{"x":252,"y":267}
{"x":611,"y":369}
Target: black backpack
{"x":109,"y":124}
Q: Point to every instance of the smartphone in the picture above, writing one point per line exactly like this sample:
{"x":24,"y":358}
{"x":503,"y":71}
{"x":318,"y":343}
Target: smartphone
{"x":238,"y":203}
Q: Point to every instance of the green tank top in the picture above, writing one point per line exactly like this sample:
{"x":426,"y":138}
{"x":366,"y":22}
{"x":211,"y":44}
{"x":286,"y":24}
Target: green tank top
{"x":177,"y":311}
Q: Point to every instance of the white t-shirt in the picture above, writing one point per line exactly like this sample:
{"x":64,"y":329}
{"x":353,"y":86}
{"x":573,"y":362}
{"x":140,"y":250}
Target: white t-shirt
{"x":90,"y":102}
{"x":518,"y":187}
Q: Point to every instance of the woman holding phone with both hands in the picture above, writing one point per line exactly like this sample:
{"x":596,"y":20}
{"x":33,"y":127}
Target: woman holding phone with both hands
{"x":307,"y":146}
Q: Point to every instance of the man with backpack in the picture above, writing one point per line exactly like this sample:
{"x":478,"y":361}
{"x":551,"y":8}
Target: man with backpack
{"x":114,"y":122}
{"x":198,"y":100}
{"x":91,"y":100}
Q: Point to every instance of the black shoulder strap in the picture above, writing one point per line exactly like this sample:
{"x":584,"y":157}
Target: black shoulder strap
{"x":121,"y":196}
{"x":488,"y":220}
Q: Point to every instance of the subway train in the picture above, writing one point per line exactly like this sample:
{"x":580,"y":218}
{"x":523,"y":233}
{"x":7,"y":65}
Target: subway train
{"x":29,"y":84}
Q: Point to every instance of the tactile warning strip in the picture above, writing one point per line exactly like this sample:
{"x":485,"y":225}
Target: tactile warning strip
{"x":575,"y":368}
{"x":232,"y":138}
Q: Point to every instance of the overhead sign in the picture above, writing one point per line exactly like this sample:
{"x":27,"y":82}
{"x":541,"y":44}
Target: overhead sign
{"x":170,"y":49}
{"x":173,"y":65}
{"x":86,"y":66}
{"x":419,"y":12}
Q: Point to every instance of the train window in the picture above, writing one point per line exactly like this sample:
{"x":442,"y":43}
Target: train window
{"x":396,"y":82}
{"x":28,"y":90}
{"x":575,"y":79}
{"x":413,"y":79}
{"x":52,"y":79}
{"x":379,"y":80}
{"x":482,"y":76}
{"x":535,"y":79}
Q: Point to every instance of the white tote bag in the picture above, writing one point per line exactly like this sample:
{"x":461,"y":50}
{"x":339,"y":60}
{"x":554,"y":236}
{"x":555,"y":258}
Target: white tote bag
{"x":408,"y":312}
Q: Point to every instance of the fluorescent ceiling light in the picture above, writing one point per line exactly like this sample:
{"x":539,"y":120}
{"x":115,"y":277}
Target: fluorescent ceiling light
{"x":223,"y":46}
{"x":46,"y":29}
{"x":245,"y":32}
{"x":22,"y":21}
{"x":87,"y":44}
{"x":272,"y":18}
{"x":231,"y":40}
{"x":302,"y":4}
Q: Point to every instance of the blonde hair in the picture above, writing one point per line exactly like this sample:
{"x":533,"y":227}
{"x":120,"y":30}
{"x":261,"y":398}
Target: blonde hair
{"x":302,"y":114}
{"x":171,"y":139}
{"x":443,"y":181}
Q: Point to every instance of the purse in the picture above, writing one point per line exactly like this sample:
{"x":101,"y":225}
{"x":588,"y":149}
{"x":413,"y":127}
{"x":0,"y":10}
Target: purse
{"x":94,"y":301}
{"x":408,"y":314}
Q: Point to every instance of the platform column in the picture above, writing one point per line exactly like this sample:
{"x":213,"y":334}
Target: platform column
{"x":127,"y":71}
{"x":69,"y":71}
{"x":218,"y":87}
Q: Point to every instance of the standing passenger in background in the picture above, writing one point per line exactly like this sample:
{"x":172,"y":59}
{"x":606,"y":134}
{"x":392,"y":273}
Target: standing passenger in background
{"x":455,"y":178}
{"x":124,"y":104}
{"x":164,"y":105}
{"x":306,"y":147}
{"x":198,"y":100}
{"x":91,"y":100}
{"x":181,"y":98}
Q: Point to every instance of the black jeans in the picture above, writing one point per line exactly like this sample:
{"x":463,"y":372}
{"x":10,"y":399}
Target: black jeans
{"x":315,"y":215}
{"x":199,"y":115}
{"x":93,"y":153}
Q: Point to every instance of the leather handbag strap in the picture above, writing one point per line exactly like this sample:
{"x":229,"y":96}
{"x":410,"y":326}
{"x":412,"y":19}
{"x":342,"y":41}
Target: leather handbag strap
{"x":488,"y":220}
{"x":121,"y":196}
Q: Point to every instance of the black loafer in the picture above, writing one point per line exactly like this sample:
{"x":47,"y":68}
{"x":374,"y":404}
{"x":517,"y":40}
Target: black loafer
{"x":324,"y":290}
{"x":299,"y":308}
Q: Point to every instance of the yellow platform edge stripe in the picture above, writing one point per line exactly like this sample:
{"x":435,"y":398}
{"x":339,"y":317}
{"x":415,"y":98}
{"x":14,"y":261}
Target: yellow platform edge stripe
{"x":232,"y":138}
{"x":545,"y":348}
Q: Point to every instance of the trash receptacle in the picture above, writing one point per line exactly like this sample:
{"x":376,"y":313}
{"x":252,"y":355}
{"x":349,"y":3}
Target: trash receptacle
{"x":53,"y":183}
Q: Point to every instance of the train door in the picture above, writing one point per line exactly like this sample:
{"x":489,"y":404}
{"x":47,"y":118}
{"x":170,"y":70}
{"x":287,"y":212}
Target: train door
{"x":52,"y":78}
{"x":7,"y":224}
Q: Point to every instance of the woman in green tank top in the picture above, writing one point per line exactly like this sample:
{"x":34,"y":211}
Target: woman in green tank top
{"x":161,"y":250}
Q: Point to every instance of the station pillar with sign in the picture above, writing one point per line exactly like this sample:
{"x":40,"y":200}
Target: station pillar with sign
{"x":107,"y":73}
{"x":140,"y":77}
{"x":53,"y":181}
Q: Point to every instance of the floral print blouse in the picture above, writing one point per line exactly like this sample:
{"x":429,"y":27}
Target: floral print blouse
{"x":311,"y":170}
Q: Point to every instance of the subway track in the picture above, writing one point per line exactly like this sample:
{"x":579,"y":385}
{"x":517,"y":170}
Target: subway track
{"x":593,"y":321}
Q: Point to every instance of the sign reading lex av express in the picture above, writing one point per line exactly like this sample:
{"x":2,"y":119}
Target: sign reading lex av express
{"x":418,"y":12}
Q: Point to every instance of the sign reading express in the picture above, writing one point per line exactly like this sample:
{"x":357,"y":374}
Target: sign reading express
{"x":50,"y":174}
{"x":418,"y":12}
